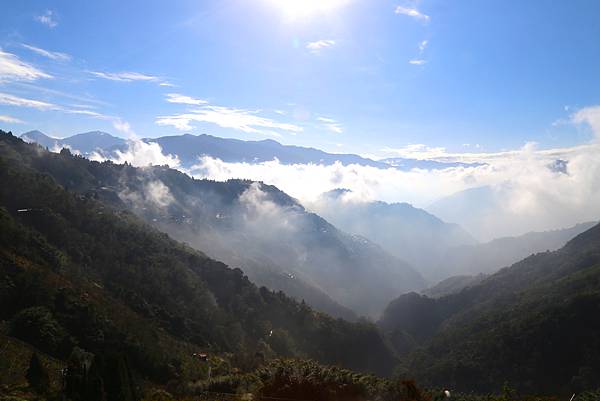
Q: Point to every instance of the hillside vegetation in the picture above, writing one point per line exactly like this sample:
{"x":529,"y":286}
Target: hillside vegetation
{"x":533,"y":324}
{"x":250,"y":225}
{"x":79,"y":276}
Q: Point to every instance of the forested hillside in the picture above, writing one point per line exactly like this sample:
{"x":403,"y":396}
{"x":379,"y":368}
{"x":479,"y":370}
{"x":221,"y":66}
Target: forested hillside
{"x":248,"y":225}
{"x":78,"y":273}
{"x":533,"y":324}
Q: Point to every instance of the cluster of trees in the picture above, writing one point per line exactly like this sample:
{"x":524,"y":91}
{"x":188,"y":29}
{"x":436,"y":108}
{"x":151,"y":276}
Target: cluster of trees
{"x":299,"y":379}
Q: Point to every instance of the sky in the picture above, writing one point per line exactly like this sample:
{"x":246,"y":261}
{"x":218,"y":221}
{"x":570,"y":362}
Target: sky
{"x":378,"y":78}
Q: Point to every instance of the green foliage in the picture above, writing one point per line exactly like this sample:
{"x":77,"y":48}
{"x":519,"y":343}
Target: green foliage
{"x":37,"y":326}
{"x":297,"y":379}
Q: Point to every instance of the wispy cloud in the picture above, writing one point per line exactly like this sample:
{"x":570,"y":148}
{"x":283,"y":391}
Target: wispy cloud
{"x":48,"y":19}
{"x":10,"y":120}
{"x":48,"y":54}
{"x":16,"y":101}
{"x":420,"y":61}
{"x":226,"y":117}
{"x":13,"y":69}
{"x":412,"y":12}
{"x":125,"y":76}
{"x":331,"y":124}
{"x":320,"y":45}
{"x":183,"y":99}
{"x":117,"y":122}
{"x":417,"y":151}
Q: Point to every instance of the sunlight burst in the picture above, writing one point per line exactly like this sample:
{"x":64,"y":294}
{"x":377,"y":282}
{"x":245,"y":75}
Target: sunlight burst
{"x":304,"y":8}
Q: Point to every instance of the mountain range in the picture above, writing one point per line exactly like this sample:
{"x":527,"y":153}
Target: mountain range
{"x":255,"y":227}
{"x":489,"y":257}
{"x":189,"y":148}
{"x":411,"y":233}
{"x":436,"y":249}
{"x":90,"y":266}
{"x":83,"y":278}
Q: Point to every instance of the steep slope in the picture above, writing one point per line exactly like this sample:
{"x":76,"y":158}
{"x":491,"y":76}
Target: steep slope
{"x":249,"y":225}
{"x":534,"y":324}
{"x":403,"y":230}
{"x":489,"y":257}
{"x":77,"y":272}
{"x":452,"y":285}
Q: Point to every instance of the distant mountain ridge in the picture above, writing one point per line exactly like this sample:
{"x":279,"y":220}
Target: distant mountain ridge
{"x":189,"y":148}
{"x":400,"y":228}
{"x":491,"y":256}
{"x":84,"y":143}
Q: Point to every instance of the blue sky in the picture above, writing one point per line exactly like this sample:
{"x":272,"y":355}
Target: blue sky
{"x":341,"y":75}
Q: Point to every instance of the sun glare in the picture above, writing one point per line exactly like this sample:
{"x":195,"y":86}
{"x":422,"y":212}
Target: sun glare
{"x":303,"y":8}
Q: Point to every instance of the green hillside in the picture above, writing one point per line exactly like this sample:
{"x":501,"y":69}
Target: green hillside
{"x":77,"y":274}
{"x":534,"y":324}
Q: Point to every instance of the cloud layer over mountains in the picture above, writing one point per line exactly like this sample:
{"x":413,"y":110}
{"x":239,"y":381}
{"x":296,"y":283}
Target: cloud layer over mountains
{"x":498,"y":194}
{"x":525,"y":193}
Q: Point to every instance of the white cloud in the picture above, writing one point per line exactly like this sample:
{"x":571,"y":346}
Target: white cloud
{"x":226,"y":117}
{"x":117,"y":122}
{"x":10,"y":120}
{"x":423,"y":46}
{"x":11,"y":100}
{"x":140,"y":154}
{"x":320,"y":45}
{"x":48,"y":19}
{"x":13,"y":69}
{"x":123,"y":126}
{"x":182,"y":99}
{"x":590,"y":116}
{"x":181,"y":122}
{"x":48,"y":54}
{"x":412,"y":12}
{"x":417,"y":151}
{"x":158,"y":193}
{"x":533,"y":197}
{"x":125,"y":76}
{"x":331,"y":124}
{"x":417,"y":62}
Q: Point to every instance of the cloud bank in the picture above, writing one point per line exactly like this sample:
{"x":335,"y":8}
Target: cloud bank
{"x":528,"y":195}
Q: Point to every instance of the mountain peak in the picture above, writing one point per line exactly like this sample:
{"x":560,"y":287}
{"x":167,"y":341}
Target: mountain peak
{"x":35,"y":134}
